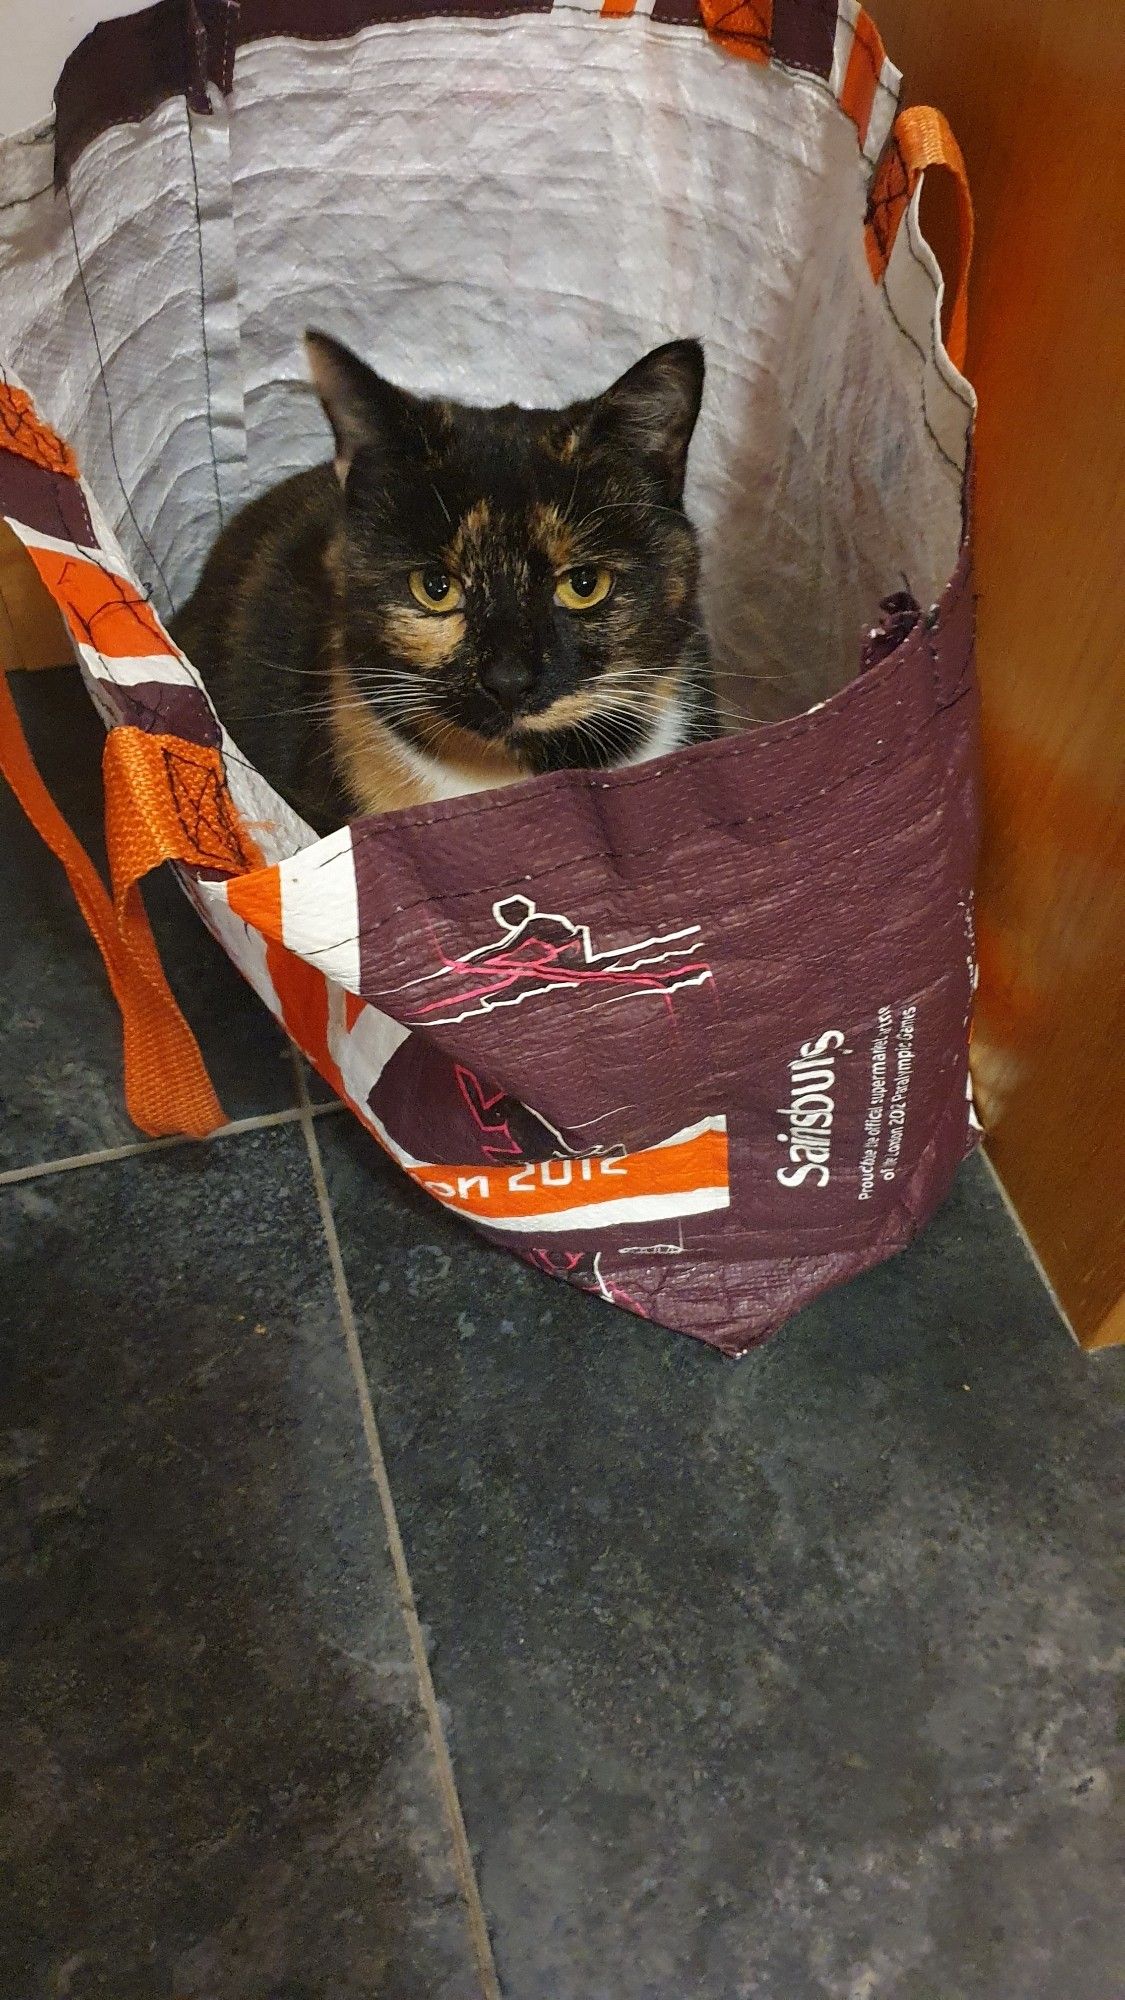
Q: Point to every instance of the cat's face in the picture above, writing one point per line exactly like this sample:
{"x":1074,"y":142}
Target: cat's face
{"x":525,"y":576}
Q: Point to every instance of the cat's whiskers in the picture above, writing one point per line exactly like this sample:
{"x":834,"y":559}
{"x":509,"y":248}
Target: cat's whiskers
{"x":602,"y":741}
{"x":327,"y":707}
{"x":314,"y":670}
{"x":642,"y":693}
{"x":703,"y":710}
{"x":633,"y":681}
{"x":439,"y":736}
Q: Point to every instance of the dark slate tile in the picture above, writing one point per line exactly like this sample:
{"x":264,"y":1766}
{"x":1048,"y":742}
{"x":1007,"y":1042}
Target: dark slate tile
{"x":790,"y":1679}
{"x":61,"y":1088}
{"x":217,"y":1783}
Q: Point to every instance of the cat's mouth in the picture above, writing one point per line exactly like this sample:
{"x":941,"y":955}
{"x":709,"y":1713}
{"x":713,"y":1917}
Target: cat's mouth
{"x":464,"y":731}
{"x":527,"y":733}
{"x":516,"y":730}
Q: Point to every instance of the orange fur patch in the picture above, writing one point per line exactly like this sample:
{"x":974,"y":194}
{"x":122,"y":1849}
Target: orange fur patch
{"x":428,"y":642}
{"x":472,"y":756}
{"x":377,"y":771}
{"x":471,"y":530}
{"x":664,"y":693}
{"x":560,"y":444}
{"x":564,"y":713}
{"x":552,"y":535}
{"x":376,"y":774}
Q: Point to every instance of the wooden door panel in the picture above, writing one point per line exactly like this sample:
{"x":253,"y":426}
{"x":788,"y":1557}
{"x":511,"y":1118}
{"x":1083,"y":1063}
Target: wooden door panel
{"x":1034,"y":94}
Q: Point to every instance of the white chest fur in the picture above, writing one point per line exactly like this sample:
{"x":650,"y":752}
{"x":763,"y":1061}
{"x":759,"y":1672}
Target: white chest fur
{"x":438,"y":780}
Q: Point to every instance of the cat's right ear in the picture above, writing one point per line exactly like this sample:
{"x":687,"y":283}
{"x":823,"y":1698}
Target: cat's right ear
{"x":650,"y":412}
{"x":362,"y":408}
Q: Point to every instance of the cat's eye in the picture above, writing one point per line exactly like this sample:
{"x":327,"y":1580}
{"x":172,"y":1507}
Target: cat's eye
{"x":434,"y":589}
{"x":580,"y":589}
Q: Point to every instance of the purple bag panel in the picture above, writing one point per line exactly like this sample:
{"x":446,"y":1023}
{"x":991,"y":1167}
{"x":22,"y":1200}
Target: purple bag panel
{"x":694,"y":1035}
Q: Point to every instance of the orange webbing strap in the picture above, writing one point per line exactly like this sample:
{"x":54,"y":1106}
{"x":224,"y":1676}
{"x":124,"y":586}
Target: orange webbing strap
{"x":167,"y":1088}
{"x":922,"y":139}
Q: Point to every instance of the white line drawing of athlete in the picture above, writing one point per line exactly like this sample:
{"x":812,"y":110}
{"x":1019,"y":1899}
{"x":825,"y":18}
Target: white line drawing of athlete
{"x":541,"y":952}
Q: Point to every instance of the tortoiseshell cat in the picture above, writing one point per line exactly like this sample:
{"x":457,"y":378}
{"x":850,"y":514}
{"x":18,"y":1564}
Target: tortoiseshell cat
{"x":468,"y":598}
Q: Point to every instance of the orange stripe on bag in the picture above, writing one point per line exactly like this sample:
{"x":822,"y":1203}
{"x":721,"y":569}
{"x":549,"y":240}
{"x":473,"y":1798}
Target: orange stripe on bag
{"x":302,"y":993}
{"x":554,"y":1187}
{"x":103,"y":610}
{"x":743,"y":29}
{"x":257,"y":900}
{"x":29,"y":437}
{"x":922,"y":138}
{"x":861,"y":80}
{"x":167,"y":1089}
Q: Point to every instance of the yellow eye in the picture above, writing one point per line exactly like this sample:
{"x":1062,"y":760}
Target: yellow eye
{"x":580,"y":589}
{"x":435,"y":590}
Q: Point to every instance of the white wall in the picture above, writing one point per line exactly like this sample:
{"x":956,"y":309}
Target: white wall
{"x":36,"y":37}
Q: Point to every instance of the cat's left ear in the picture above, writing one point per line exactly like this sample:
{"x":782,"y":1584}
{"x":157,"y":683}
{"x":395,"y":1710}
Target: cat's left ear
{"x":362,"y":408}
{"x":652,"y":410}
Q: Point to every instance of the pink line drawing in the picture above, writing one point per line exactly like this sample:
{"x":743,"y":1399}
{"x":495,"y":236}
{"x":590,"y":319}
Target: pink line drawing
{"x":540,"y":952}
{"x":486,"y":1112}
{"x":585,"y":1271}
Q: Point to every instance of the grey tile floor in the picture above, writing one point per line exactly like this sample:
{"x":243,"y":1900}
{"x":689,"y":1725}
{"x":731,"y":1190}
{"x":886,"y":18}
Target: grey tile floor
{"x":382,"y":1620}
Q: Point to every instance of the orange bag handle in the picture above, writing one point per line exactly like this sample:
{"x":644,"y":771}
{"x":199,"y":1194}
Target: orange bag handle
{"x":922,"y":138}
{"x":167,"y":1088}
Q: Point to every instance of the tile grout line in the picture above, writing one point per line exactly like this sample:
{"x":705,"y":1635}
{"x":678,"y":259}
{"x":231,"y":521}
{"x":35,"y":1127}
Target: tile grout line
{"x":262,"y":1122}
{"x":462,"y":1855}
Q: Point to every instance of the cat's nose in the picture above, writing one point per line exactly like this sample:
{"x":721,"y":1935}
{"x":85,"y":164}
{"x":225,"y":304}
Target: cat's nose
{"x":507,"y":676}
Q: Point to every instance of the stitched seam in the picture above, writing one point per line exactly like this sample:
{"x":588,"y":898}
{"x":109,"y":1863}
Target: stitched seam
{"x":22,"y":199}
{"x":226,"y":81}
{"x":197,"y":54}
{"x":932,"y":356}
{"x":517,"y":10}
{"x":85,"y":514}
{"x":494,"y":888}
{"x":883,"y":197}
{"x":203,"y":327}
{"x":921,"y":351}
{"x":913,"y":248}
{"x":865,"y":51}
{"x":108,"y":404}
